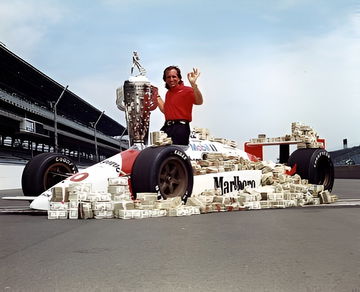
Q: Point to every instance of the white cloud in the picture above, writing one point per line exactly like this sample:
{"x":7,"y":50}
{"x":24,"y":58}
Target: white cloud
{"x":248,"y":88}
{"x":262,"y":90}
{"x":23,"y":24}
{"x":312,"y":80}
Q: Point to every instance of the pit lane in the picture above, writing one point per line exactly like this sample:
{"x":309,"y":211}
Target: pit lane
{"x":294,"y":249}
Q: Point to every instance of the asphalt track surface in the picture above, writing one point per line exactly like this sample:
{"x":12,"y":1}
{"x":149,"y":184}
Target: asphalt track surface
{"x":295,"y":249}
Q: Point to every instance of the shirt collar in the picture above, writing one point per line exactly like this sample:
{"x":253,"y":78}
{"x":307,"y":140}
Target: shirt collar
{"x":177,"y":88}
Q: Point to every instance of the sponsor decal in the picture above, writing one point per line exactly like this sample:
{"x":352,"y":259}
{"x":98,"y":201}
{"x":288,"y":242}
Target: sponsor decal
{"x":322,"y":153}
{"x":228,"y":186}
{"x":111,"y":163}
{"x":203,"y":147}
{"x":181,"y":154}
{"x":64,"y":160}
{"x":79,"y":176}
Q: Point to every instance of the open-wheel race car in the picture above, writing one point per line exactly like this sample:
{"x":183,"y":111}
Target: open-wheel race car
{"x":169,"y":170}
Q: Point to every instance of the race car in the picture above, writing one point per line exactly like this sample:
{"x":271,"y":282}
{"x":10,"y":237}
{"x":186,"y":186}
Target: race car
{"x":167,"y":169}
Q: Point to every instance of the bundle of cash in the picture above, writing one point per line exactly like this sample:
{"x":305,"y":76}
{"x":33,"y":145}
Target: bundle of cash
{"x":58,"y":214}
{"x":159,"y":138}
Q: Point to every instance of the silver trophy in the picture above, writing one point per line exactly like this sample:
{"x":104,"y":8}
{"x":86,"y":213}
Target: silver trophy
{"x":137,"y":98}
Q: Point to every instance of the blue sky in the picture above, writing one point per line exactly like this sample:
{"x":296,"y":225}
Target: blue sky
{"x":264,"y":64}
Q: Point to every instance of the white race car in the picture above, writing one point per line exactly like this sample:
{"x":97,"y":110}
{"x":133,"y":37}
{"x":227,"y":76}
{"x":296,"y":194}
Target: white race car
{"x":166,"y":170}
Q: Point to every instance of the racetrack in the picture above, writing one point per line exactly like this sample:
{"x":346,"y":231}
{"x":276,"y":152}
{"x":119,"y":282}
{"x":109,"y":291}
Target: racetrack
{"x":296,"y":249}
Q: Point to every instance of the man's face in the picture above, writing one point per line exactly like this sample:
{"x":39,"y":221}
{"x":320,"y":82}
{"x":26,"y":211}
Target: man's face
{"x":172,"y":79}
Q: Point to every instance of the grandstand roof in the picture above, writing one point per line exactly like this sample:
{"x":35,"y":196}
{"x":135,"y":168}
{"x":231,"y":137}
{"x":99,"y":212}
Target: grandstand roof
{"x":343,"y":156}
{"x":20,"y":78}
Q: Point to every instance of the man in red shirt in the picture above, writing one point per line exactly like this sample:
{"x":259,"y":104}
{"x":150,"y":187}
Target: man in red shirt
{"x":178,"y":104}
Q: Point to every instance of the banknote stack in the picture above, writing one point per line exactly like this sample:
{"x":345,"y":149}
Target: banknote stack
{"x":159,"y":138}
{"x":216,"y":162}
{"x":201,"y":133}
{"x":228,"y":142}
{"x":277,"y":190}
{"x":118,"y":187}
{"x":304,"y":136}
{"x":79,"y":201}
{"x":58,"y":210}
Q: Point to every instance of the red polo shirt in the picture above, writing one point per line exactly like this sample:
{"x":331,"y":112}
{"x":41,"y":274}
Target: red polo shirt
{"x":179,"y":102}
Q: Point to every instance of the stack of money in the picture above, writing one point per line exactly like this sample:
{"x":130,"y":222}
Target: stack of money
{"x":131,"y":214}
{"x":103,"y":209}
{"x":252,"y":205}
{"x":118,"y":187}
{"x":118,"y":181}
{"x":219,"y":140}
{"x":197,"y":170}
{"x":85,"y":210}
{"x":231,"y":143}
{"x":169,"y":203}
{"x":304,"y":135}
{"x":277,"y":190}
{"x":315,"y":189}
{"x":98,"y":196}
{"x":122,"y":205}
{"x":183,"y":211}
{"x":60,"y":194}
{"x":197,"y":202}
{"x":58,"y":210}
{"x":159,"y":138}
{"x":79,"y":187}
{"x":116,"y":190}
{"x":267,"y":178}
{"x":74,"y":208}
{"x":147,"y":200}
{"x":78,"y":196}
{"x":203,"y":201}
{"x":201,"y":133}
{"x":74,"y":213}
{"x":59,"y":214}
{"x":140,"y":214}
{"x":326,"y":198}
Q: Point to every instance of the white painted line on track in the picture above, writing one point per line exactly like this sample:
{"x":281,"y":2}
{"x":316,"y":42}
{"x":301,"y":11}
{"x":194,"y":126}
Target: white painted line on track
{"x":21,"y":210}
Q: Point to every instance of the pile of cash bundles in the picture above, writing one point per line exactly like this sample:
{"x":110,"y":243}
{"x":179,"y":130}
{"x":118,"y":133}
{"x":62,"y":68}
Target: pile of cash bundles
{"x":79,"y":201}
{"x":204,"y":134}
{"x":292,"y":194}
{"x":304,"y":136}
{"x":277,"y":190}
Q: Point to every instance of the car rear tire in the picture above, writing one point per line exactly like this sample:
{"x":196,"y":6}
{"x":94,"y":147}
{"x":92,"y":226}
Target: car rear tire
{"x":166,"y":170}
{"x":315,"y":165}
{"x":44,"y":171}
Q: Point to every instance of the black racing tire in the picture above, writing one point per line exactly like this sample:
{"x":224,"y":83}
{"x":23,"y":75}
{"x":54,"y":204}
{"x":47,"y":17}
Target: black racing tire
{"x":166,"y":170}
{"x":45,"y":170}
{"x":315,"y":165}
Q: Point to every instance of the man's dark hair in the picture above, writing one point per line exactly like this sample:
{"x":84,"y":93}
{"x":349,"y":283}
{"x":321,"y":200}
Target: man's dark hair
{"x":178,"y":74}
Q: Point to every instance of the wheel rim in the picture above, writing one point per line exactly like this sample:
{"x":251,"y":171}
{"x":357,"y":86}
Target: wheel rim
{"x":55,"y":174}
{"x":173,"y":178}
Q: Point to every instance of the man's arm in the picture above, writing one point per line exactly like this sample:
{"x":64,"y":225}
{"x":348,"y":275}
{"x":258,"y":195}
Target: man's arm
{"x":192,"y":77}
{"x":160,"y":103}
{"x":198,"y":95}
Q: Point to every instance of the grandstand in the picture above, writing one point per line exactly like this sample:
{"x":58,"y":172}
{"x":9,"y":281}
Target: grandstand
{"x":346,"y":156}
{"x":37,"y":115}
